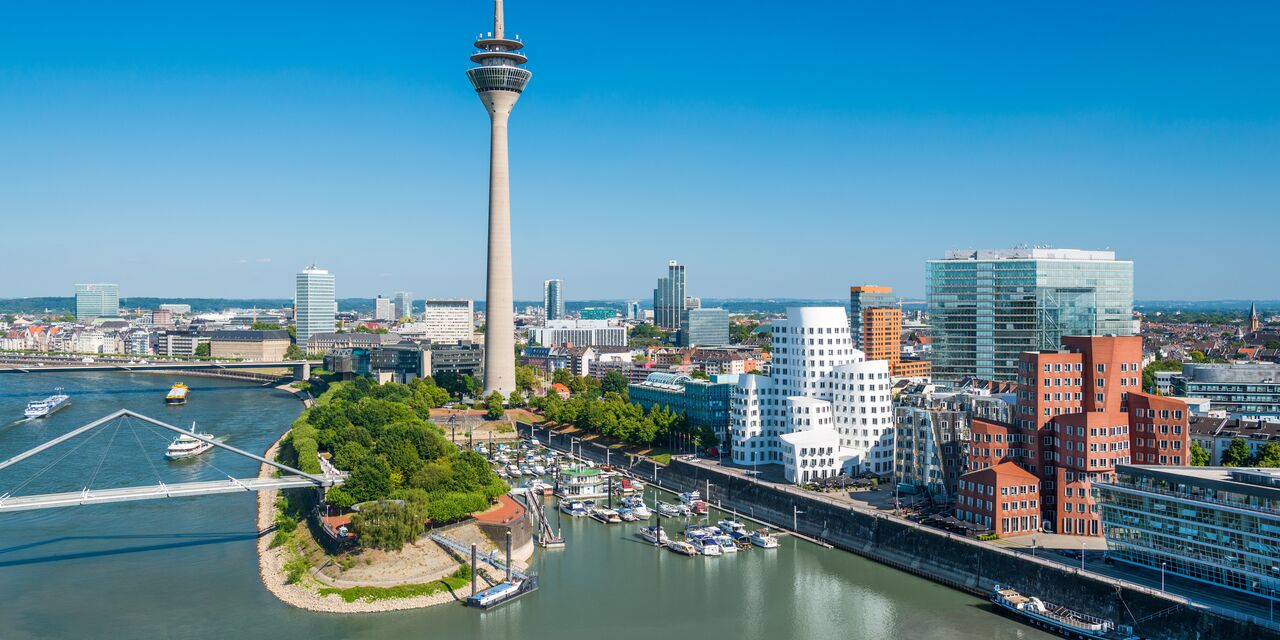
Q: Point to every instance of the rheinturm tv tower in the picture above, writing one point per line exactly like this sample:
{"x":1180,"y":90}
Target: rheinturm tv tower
{"x":498,"y":80}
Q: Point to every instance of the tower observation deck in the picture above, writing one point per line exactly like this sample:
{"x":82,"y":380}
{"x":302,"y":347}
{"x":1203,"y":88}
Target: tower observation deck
{"x":499,"y":58}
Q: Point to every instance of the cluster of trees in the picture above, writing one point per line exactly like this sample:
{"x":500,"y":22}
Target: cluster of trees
{"x":1237,"y":455}
{"x":1149,"y":372}
{"x":648,"y":334}
{"x":398,"y":461}
{"x":603,"y":408}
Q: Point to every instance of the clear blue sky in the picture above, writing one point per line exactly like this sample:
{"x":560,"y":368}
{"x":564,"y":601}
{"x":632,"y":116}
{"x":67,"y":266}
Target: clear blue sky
{"x":779,"y":149}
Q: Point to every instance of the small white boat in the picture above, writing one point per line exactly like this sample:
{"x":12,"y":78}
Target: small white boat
{"x":574,"y":508}
{"x":187,"y":446}
{"x":726,"y":543}
{"x":668,"y":510}
{"x":637,"y":506}
{"x":654,"y":535}
{"x":539,"y":470}
{"x":627,"y":515}
{"x":705,"y":546}
{"x":729,"y":526}
{"x":689,"y":497}
{"x":42,"y":408}
{"x":607,"y":516}
{"x":761,"y":538}
{"x":681,"y":547}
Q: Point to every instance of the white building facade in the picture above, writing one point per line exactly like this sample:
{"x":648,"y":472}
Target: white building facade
{"x":582,"y":333}
{"x":823,"y":410}
{"x":448,"y":321}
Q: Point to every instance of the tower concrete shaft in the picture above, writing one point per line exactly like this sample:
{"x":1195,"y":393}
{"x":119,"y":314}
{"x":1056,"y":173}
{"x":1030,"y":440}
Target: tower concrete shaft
{"x":499,"y":80}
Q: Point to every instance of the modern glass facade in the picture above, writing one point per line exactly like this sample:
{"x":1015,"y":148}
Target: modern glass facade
{"x":553,"y":299}
{"x":315,"y":304}
{"x":704,"y":403}
{"x":1217,"y":525}
{"x":704,"y":328}
{"x":668,"y":298}
{"x":986,"y":307}
{"x":97,"y":301}
{"x":403,"y":304}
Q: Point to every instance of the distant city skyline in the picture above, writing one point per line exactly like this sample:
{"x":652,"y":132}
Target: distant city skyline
{"x":1128,"y":127}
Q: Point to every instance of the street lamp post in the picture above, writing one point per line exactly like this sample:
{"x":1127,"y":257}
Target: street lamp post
{"x":795,"y":518}
{"x":1162,"y":566}
{"x":1084,"y":544}
{"x":1033,"y":546}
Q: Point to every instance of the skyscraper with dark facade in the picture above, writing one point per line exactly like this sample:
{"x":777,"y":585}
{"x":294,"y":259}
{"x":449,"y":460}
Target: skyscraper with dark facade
{"x":669,"y":297}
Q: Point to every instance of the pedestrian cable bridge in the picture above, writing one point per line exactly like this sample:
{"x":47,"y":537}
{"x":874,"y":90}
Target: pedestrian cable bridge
{"x":125,"y":420}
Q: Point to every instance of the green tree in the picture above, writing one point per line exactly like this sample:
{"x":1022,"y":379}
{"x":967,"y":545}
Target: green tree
{"x":1237,"y":454}
{"x":1271,"y":344}
{"x":493,"y":406}
{"x":293,"y":352}
{"x":264,"y":326}
{"x":203,"y":350}
{"x":614,"y":382}
{"x":699,"y":374}
{"x":515,"y":399}
{"x":562,"y":376}
{"x":1268,"y":455}
{"x":387,"y":525}
{"x":370,"y":480}
{"x":1149,"y":372}
{"x":1199,"y":455}
{"x":338,"y":497}
{"x":526,"y":378}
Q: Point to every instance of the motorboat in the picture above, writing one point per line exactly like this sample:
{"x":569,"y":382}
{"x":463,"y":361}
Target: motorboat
{"x":727,"y":545}
{"x":654,"y":535}
{"x":741,"y":538}
{"x":761,"y":538}
{"x":1056,"y":619}
{"x":42,"y":408}
{"x":574,"y":508}
{"x":668,"y":510}
{"x":699,"y":507}
{"x":689,"y":496}
{"x":683,"y":548}
{"x":627,"y":515}
{"x":637,"y":506}
{"x":705,"y":545}
{"x":539,"y":470}
{"x":607,"y":516}
{"x":729,"y":526}
{"x":187,"y":445}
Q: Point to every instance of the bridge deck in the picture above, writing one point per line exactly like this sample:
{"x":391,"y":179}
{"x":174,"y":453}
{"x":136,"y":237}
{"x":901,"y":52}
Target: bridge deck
{"x":179,"y":490}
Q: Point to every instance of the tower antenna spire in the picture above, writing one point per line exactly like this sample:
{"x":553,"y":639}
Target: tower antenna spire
{"x":497,"y":19}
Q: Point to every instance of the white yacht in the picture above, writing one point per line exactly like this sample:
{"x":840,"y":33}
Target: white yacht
{"x":729,"y":526}
{"x":761,"y":538}
{"x":654,"y":535}
{"x":187,"y":446}
{"x":42,"y":408}
{"x":574,"y":508}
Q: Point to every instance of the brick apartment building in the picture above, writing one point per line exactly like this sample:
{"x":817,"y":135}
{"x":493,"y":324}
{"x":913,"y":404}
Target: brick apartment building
{"x":1080,"y":411}
{"x":1004,"y":498}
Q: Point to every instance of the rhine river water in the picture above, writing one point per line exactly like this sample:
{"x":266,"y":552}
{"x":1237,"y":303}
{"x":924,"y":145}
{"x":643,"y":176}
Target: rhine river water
{"x":187,"y":568}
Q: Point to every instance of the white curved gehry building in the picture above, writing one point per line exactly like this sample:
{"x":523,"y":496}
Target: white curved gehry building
{"x":825,"y":408}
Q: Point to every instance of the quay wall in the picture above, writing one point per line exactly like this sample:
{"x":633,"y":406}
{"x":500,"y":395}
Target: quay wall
{"x":949,"y":559}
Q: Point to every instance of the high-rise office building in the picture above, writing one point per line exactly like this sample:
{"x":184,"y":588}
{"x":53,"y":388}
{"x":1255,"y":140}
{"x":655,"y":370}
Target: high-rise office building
{"x":865,"y":297}
{"x":633,"y":310}
{"x":315,"y":305}
{"x":987,"y":306}
{"x":499,"y":81}
{"x":553,"y":299}
{"x":882,"y":335}
{"x":97,"y":301}
{"x":402,"y":305}
{"x":704,"y":328}
{"x":383,"y":310}
{"x":669,"y":301}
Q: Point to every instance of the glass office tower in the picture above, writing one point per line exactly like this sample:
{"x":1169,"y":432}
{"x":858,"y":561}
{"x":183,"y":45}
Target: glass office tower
{"x":669,"y":300}
{"x":315,"y":305}
{"x":553,"y":299}
{"x":987,"y":306}
{"x":97,"y":301}
{"x":704,"y":328}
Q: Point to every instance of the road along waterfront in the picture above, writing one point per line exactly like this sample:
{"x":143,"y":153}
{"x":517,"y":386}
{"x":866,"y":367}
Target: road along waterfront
{"x":188,"y":568}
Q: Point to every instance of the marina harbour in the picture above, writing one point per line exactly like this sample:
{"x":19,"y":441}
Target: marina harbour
{"x":187,"y":568}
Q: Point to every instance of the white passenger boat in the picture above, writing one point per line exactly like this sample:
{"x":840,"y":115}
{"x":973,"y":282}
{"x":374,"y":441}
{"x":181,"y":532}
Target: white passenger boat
{"x":627,"y":515}
{"x":1056,"y":619}
{"x":607,"y":516}
{"x":689,"y":497}
{"x":637,"y":506}
{"x":761,"y":538}
{"x":668,"y":510}
{"x":42,"y":408}
{"x":727,"y":545}
{"x":705,"y":545}
{"x":187,"y":446}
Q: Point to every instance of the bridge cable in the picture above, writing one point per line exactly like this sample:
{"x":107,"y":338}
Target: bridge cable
{"x":119,"y":424}
{"x":51,"y":464}
{"x":146,"y":457}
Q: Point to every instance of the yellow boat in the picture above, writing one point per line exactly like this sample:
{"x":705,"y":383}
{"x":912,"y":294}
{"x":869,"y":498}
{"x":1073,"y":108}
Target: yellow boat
{"x":177,"y":394}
